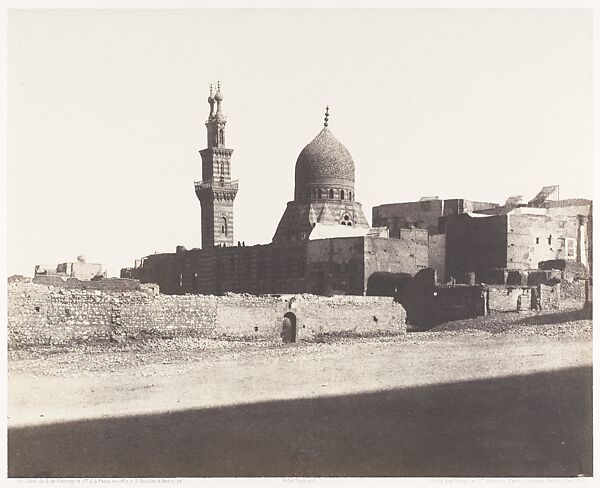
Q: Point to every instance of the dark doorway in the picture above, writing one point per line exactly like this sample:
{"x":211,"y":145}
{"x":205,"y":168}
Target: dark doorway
{"x":288,"y":330}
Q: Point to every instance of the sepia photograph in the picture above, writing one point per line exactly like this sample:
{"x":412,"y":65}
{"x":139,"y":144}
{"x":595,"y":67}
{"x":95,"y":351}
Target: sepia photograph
{"x":298,"y":243}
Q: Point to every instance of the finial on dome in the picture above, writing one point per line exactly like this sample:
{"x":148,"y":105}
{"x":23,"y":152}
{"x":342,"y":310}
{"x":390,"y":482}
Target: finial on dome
{"x":210,"y":94}
{"x":326,"y":116}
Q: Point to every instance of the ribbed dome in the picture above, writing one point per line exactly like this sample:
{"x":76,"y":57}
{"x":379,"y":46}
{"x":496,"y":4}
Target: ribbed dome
{"x":323,"y":160}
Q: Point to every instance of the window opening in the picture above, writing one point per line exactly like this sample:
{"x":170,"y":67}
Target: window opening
{"x":224,"y":226}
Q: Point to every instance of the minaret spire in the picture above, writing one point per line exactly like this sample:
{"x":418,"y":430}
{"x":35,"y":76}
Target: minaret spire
{"x":326,"y":116}
{"x":216,"y":191}
{"x":219,"y":99}
{"x":211,"y":102}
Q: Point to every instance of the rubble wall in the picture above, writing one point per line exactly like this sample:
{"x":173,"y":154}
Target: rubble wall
{"x":458,"y":302}
{"x":406,"y":254}
{"x":106,"y":284}
{"x":45,"y":315}
{"x":360,"y":315}
{"x":550,"y":296}
{"x":573,"y":291}
{"x":505,"y":298}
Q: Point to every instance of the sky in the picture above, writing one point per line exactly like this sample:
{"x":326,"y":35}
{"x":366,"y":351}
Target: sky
{"x":106,"y":113}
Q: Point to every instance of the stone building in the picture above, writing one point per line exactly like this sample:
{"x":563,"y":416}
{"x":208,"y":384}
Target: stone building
{"x":520,"y":237}
{"x":322,"y":245}
{"x":79,"y":269}
{"x":471,"y":237}
{"x":428,"y":213}
{"x":423,"y":214}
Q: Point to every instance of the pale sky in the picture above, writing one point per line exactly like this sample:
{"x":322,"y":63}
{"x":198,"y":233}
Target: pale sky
{"x":106,"y":113}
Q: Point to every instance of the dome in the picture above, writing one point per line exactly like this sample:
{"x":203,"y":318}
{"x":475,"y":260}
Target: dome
{"x":325,"y":160}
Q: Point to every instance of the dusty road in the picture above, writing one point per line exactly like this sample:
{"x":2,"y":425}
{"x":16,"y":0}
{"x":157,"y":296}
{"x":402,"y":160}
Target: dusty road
{"x":462,"y":402}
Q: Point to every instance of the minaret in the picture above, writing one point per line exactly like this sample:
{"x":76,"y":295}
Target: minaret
{"x":216,"y":191}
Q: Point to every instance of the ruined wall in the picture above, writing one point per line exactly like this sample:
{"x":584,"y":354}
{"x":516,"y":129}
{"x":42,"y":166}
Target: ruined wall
{"x":505,"y":298}
{"x":44,"y":315}
{"x":348,"y":315}
{"x":583,"y":209}
{"x":474,"y":244}
{"x":38,"y":314}
{"x":567,"y":270}
{"x":322,"y":266}
{"x":458,"y":302}
{"x":456,"y":206}
{"x":80,"y":271}
{"x":535,"y":238}
{"x":106,"y":284}
{"x":492,"y":276}
{"x":573,"y":291}
{"x":437,"y":255}
{"x":408,"y":254}
{"x":422,"y":215}
{"x":517,"y":241}
{"x":335,"y":266}
{"x":273,"y":268}
{"x":550,"y":296}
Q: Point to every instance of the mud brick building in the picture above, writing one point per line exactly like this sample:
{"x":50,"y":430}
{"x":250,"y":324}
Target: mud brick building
{"x":322,"y":245}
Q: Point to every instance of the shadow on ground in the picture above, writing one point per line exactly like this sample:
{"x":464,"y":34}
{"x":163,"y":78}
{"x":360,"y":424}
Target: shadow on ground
{"x":559,"y":317}
{"x":505,"y":321}
{"x":536,"y":425}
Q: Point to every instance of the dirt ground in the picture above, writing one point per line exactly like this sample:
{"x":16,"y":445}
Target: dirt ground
{"x":503,"y":395}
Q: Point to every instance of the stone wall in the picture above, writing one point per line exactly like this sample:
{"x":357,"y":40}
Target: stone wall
{"x":424,"y":214}
{"x":428,"y":304}
{"x":474,"y":243}
{"x":505,"y":298}
{"x":458,"y":302}
{"x":407,"y":254}
{"x":260,"y":269}
{"x":573,"y":291}
{"x":517,"y":241}
{"x":437,"y":255}
{"x":106,"y":284}
{"x":45,"y":315}
{"x":535,"y":238}
{"x":550,"y":296}
{"x":458,"y":205}
{"x":340,"y":266}
{"x":396,"y":216}
{"x":335,"y":266}
{"x":40,"y":314}
{"x":568,"y":270}
{"x":347,"y":315}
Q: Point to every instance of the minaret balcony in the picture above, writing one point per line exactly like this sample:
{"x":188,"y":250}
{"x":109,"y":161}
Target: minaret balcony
{"x":229,"y":185}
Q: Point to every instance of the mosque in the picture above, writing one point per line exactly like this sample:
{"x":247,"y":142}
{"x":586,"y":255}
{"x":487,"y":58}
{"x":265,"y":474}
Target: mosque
{"x":322,"y":245}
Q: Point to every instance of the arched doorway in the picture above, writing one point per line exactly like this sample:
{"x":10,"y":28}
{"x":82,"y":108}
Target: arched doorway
{"x":288,"y":329}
